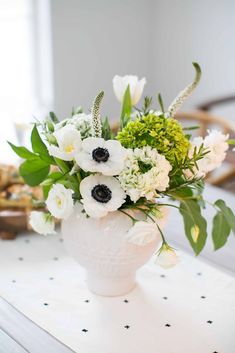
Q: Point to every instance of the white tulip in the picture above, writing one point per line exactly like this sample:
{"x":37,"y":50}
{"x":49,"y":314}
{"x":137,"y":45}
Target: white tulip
{"x":120,"y":84}
{"x":167,"y":257}
{"x":60,"y":201}
{"x":42,"y":223}
{"x":69,"y":143}
{"x":143,"y":233}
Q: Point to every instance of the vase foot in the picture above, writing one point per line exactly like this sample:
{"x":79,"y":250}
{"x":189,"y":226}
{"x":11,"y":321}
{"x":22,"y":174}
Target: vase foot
{"x":110,"y":286}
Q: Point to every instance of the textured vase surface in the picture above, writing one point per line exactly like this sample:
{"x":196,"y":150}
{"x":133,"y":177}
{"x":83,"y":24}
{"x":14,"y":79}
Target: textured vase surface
{"x":102,"y":248}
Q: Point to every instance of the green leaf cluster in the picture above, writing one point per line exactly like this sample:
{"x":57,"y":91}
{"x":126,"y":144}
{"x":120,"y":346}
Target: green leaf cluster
{"x":37,"y":165}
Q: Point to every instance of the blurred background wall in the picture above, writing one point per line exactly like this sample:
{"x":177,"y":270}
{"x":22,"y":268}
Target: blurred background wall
{"x":56,"y":54}
{"x":94,"y":40}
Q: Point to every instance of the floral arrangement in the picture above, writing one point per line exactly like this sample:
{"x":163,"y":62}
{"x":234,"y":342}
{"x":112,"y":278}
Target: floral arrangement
{"x":151,"y":162}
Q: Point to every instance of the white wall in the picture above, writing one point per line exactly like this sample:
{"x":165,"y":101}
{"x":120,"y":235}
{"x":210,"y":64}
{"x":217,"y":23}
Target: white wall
{"x":94,"y":40}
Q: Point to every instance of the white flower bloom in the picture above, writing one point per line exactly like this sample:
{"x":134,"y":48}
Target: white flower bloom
{"x":120,"y":84}
{"x":60,"y":201}
{"x":98,"y":155}
{"x":216,"y":143}
{"x":145,"y":173}
{"x":101,"y":194}
{"x":69,"y":143}
{"x":167,"y":257}
{"x":42,"y":222}
{"x":82,"y":122}
{"x":142,"y":233}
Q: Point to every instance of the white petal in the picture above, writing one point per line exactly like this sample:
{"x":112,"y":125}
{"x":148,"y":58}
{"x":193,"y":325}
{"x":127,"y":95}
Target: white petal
{"x":58,"y":153}
{"x":91,"y":143}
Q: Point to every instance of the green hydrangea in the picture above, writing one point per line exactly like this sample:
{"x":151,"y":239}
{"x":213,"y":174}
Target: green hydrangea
{"x":164,"y":134}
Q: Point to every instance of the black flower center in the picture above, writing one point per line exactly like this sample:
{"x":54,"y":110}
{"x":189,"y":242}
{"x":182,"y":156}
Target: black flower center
{"x":101,"y":193}
{"x":100,"y":154}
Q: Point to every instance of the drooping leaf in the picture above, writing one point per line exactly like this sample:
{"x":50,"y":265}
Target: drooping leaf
{"x":34,"y":171}
{"x":22,"y":152}
{"x":39,"y":146}
{"x":220,"y":230}
{"x":227,"y":212}
{"x":126,"y":108}
{"x":193,"y":220}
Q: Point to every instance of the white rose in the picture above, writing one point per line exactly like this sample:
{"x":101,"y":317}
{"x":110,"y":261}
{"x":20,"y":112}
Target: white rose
{"x":143,"y":233}
{"x":167,"y":257}
{"x":60,"y":201}
{"x":69,"y":143}
{"x":216,"y":144}
{"x":42,"y":223}
{"x":120,"y":84}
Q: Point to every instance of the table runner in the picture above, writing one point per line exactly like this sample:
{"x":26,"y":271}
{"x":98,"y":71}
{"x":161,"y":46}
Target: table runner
{"x":190,"y":308}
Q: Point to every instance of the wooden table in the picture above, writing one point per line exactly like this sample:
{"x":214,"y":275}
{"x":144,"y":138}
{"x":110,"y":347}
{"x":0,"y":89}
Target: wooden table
{"x":18,"y":334}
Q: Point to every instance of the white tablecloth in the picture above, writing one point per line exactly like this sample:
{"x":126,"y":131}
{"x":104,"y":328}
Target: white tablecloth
{"x":188,"y":309}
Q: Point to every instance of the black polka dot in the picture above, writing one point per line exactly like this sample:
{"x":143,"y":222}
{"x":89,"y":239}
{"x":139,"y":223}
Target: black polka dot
{"x":46,"y":304}
{"x":21,"y":259}
{"x":84,"y":330}
{"x":199,"y":274}
{"x":127,"y":327}
{"x":55,"y":259}
{"x":167,"y":325}
{"x":51,"y":278}
{"x":162,"y":276}
{"x":203,"y":297}
{"x":13,"y":281}
{"x":165,"y":298}
{"x":209,"y":322}
{"x":27,"y":241}
{"x":126,"y":301}
{"x":87,"y":301}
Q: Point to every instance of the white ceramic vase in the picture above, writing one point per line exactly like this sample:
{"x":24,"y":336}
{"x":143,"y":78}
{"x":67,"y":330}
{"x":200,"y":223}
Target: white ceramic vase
{"x":102,"y":248}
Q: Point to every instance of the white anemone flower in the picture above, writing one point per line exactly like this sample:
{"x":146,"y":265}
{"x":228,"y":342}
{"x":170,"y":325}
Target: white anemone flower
{"x":60,"y":201}
{"x":42,"y":222}
{"x":98,"y":155}
{"x":101,"y":194}
{"x":120,"y":84}
{"x":69,"y":143}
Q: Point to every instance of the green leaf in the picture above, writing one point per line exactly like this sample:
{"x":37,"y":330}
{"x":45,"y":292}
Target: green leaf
{"x":39,"y":146}
{"x":160,"y":101}
{"x":227,"y":212}
{"x":53,"y":117}
{"x":194,"y":224}
{"x":126,"y":108}
{"x":106,"y":129}
{"x":220,"y":231}
{"x":46,"y":189}
{"x":22,"y":152}
{"x":64,"y":166}
{"x":34,"y":171}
